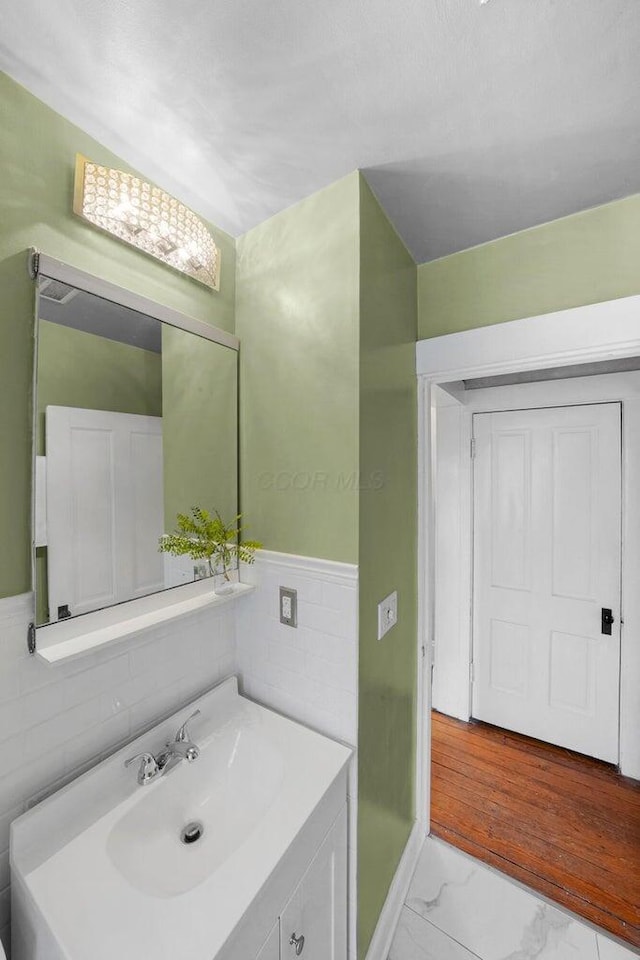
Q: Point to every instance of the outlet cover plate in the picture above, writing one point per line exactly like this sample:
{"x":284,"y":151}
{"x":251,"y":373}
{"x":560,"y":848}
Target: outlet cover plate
{"x":387,"y":614}
{"x":288,"y":607}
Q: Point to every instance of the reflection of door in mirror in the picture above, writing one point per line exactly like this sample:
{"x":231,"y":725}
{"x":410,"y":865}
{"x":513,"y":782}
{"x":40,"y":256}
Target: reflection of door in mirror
{"x":136,"y":421}
{"x":105,"y":508}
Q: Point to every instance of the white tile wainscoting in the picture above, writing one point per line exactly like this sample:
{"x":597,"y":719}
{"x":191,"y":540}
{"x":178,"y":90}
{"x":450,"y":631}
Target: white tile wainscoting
{"x":308,"y":673}
{"x":54,"y":721}
{"x":57,"y":720}
{"x":460,"y":909}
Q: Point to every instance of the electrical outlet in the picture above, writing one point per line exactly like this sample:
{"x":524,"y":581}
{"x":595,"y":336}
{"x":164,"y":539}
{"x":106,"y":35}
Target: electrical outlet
{"x":288,"y":607}
{"x":387,"y":614}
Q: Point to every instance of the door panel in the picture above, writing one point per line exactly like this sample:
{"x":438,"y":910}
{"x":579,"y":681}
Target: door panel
{"x":509,"y":657}
{"x":271,"y":949}
{"x":147,"y":512}
{"x":571,"y":675}
{"x":317,"y":910}
{"x":575,"y":513}
{"x":511,"y":530}
{"x":91,"y":516}
{"x":547,"y":543}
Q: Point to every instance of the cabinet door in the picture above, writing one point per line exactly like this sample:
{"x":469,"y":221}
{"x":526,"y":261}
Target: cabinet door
{"x":317,"y":910}
{"x":271,"y":949}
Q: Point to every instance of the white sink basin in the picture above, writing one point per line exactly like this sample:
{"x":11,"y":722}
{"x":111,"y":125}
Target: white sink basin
{"x":228,"y":791}
{"x":99,"y":869}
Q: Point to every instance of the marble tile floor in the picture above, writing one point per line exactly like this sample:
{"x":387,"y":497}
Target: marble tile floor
{"x":457,"y":908}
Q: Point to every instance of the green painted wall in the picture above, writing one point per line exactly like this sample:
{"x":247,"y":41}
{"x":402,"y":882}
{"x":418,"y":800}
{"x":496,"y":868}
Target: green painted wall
{"x":387,"y":557}
{"x":585,"y":258}
{"x":78,"y":369}
{"x":200,"y":425}
{"x":37,"y":154}
{"x":297,"y":318}
{"x":327,"y":314}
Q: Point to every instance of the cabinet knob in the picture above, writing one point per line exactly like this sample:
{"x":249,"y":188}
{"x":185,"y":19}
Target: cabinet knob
{"x":297,"y":942}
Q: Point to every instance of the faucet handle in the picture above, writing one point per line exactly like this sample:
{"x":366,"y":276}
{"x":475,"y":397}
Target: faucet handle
{"x":148,"y":769}
{"x":183,"y":733}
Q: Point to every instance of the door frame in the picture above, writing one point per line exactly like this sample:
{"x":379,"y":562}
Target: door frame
{"x":619,"y":388}
{"x":595,"y":332}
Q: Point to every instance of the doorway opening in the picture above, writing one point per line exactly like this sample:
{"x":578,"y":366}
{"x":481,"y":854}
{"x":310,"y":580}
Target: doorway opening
{"x":535,"y":759}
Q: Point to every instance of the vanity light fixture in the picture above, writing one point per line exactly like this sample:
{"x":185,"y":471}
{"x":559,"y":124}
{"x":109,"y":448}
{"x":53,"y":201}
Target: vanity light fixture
{"x":147,"y":218}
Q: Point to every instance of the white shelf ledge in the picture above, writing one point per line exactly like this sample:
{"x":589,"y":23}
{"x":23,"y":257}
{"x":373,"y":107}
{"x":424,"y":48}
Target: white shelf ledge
{"x":82,"y":635}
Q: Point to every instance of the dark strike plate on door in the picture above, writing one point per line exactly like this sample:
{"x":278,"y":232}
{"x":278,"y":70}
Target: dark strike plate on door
{"x":606,"y":620}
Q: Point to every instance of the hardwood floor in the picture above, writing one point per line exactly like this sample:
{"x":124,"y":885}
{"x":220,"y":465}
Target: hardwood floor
{"x":564,"y":824}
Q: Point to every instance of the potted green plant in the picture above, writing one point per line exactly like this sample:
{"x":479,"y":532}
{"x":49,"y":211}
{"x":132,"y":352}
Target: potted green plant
{"x":205,"y":536}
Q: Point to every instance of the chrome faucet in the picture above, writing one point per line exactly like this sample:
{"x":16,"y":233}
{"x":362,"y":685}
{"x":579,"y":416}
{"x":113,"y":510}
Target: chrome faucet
{"x":180,"y":748}
{"x":148,"y":770}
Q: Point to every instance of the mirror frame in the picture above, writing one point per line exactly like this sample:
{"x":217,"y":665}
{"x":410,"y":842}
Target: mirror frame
{"x":112,"y":619}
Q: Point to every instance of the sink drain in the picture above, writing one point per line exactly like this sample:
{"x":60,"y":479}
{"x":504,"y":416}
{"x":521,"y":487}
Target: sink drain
{"x":192,"y":832}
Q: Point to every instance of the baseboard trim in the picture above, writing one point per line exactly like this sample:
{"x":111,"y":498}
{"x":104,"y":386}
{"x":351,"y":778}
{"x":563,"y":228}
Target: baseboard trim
{"x":390,"y":913}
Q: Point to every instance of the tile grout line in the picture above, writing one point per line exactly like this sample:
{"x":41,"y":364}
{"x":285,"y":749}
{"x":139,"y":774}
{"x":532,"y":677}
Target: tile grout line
{"x":443,"y":932}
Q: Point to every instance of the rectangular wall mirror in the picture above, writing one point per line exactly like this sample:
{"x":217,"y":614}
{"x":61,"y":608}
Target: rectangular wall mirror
{"x":136,"y":420}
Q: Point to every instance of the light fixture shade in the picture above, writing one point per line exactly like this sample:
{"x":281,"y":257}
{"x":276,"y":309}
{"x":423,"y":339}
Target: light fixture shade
{"x":147,"y":218}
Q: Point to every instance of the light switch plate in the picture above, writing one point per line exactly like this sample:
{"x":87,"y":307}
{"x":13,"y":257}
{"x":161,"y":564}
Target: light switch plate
{"x":387,"y":614}
{"x":288,"y":607}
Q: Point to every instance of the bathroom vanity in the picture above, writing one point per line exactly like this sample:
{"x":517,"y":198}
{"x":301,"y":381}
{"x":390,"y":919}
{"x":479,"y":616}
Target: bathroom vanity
{"x":239,"y":854}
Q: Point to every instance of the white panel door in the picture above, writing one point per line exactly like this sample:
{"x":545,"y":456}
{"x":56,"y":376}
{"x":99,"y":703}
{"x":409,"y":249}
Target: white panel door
{"x":104,"y":508}
{"x":547,"y":560}
{"x":146,"y":505}
{"x":313,"y":925}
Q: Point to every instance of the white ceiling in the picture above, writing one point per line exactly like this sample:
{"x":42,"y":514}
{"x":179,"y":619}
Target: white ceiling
{"x":471,"y":120}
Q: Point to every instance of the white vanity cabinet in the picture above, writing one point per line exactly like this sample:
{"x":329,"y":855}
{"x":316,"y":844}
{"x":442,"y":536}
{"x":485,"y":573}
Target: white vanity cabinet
{"x":271,"y":865}
{"x":313,"y":925}
{"x":271,"y":949}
